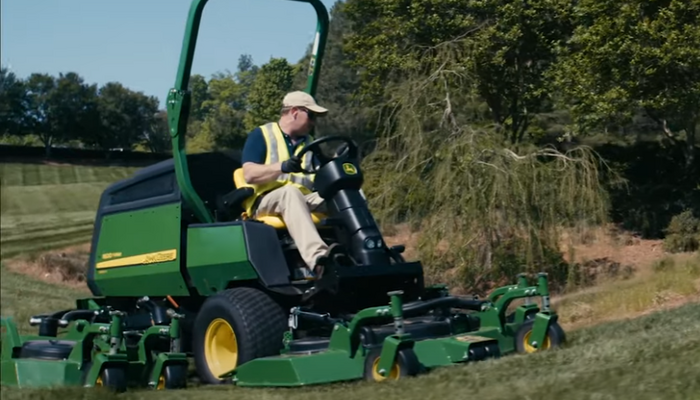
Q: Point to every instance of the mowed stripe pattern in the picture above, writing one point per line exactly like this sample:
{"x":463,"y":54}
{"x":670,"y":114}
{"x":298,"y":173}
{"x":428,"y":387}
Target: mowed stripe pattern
{"x":50,"y":206}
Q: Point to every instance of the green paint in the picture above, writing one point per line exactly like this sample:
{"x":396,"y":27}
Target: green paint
{"x":216,"y":255}
{"x":133,"y":233}
{"x":299,"y":370}
{"x":400,"y":340}
{"x":391,"y":346}
{"x":101,"y":344}
{"x":37,"y":373}
{"x":540,"y":328}
{"x":450,"y":350}
{"x":179,"y":97}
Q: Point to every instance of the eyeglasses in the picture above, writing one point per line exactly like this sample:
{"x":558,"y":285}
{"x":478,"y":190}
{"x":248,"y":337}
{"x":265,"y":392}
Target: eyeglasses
{"x":311,"y":114}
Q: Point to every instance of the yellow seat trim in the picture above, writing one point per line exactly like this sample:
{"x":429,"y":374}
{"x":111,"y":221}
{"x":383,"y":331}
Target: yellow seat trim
{"x":239,"y":179}
{"x":275,"y":220}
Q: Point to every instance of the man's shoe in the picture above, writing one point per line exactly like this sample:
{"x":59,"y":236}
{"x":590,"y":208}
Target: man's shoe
{"x":304,"y":273}
{"x":326,"y":274}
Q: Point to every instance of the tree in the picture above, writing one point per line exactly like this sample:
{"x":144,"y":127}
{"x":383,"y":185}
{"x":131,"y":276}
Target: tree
{"x":506,"y":47}
{"x":272,"y":82}
{"x":74,"y":105}
{"x":12,"y":103}
{"x":124,"y":118}
{"x":338,"y":85}
{"x":633,"y":55}
{"x":38,"y":119}
{"x":221,"y":105}
{"x":59,"y":109}
{"x":200,"y":94}
{"x":223,"y":124}
{"x":157,"y":138}
{"x":245,"y":76}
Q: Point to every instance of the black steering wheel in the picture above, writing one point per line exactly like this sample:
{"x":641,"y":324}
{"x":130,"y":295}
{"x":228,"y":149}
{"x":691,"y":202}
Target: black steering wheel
{"x":349,"y":151}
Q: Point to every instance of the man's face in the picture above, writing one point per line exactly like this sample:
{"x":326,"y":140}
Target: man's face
{"x":303,"y":121}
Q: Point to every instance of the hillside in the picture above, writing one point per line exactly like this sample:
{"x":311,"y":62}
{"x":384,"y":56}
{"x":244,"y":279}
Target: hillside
{"x":631,"y":335}
{"x":47,"y":205}
{"x":647,"y":358}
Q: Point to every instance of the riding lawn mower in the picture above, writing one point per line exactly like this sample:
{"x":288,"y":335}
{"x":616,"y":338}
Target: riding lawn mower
{"x":179,"y":272}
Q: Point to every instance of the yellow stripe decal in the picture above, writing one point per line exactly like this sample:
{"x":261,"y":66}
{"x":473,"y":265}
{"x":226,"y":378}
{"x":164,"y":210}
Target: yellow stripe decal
{"x":150,"y":258}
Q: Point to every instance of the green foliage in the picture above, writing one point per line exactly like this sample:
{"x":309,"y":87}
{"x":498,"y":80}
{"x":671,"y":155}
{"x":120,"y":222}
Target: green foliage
{"x":658,"y":185}
{"x":12,"y":103}
{"x":632,"y":55}
{"x":123,"y":118}
{"x":485,"y":210}
{"x":506,"y":47}
{"x":157,"y":137}
{"x":338,"y":86}
{"x":223,"y":120}
{"x":272,"y":82}
{"x":67,"y":110}
{"x":200,"y":94}
{"x":219,"y":108}
{"x":683,"y":233}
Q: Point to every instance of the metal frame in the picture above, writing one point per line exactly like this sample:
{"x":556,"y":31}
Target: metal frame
{"x":179,"y":97}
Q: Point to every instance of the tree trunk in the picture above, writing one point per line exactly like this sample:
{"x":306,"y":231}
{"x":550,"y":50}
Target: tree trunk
{"x":690,"y":145}
{"x":47,"y":147}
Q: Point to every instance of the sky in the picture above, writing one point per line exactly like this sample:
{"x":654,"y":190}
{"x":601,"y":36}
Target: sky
{"x":91,"y":37}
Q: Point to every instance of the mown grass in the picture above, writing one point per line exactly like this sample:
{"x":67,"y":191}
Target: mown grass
{"x":653,"y":357}
{"x":22,"y":296}
{"x":50,"y":206}
{"x":656,"y":356}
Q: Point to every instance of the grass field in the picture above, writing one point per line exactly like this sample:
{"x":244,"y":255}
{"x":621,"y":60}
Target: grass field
{"x":626,"y":356}
{"x":653,"y":357}
{"x":50,"y":206}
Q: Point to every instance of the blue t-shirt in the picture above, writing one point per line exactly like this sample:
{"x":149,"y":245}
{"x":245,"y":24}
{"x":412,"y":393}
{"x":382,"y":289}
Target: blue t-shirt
{"x":255,"y":148}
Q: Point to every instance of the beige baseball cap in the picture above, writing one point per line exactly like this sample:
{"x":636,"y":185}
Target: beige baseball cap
{"x":302,"y":99}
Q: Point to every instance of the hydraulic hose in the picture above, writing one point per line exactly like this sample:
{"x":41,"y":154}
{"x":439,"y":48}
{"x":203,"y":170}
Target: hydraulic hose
{"x":420,"y":307}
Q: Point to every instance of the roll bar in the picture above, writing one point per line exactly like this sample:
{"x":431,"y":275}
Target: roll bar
{"x":179,"y":97}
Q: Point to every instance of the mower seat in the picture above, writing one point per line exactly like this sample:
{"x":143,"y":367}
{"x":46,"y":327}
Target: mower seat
{"x":273,"y":219}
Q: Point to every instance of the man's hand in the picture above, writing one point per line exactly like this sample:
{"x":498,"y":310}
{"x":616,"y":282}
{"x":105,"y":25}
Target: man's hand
{"x":292,"y":165}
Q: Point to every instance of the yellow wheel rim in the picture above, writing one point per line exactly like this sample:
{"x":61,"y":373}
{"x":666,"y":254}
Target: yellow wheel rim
{"x":220,"y":347}
{"x":394,"y":374}
{"x":98,"y":381}
{"x":531,"y":349}
{"x":161,"y":383}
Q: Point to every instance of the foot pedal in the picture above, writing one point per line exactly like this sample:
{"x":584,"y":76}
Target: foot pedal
{"x":328,"y":281}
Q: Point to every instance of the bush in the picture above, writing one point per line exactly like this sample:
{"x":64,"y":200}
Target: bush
{"x":486,"y":209}
{"x":683,"y":233}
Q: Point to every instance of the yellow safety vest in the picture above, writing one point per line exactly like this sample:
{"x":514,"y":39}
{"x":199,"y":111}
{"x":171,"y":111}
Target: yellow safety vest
{"x":277,"y":151}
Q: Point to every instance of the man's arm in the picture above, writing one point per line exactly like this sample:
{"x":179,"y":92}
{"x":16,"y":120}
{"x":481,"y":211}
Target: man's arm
{"x":255,"y":171}
{"x":260,"y":173}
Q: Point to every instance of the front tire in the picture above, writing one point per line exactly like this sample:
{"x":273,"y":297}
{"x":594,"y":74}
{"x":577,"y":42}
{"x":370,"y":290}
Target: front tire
{"x":234,"y":327}
{"x":555,"y":337}
{"x":405,"y":364}
{"x":173,"y":377}
{"x":113,"y":378}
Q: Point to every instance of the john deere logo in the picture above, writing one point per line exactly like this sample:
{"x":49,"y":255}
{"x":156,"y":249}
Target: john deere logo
{"x":349,"y":169}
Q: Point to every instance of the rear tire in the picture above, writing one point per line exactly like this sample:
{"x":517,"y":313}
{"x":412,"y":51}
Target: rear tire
{"x":234,"y":327}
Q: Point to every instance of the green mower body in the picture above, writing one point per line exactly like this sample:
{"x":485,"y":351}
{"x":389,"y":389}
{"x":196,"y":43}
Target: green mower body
{"x":179,"y":272}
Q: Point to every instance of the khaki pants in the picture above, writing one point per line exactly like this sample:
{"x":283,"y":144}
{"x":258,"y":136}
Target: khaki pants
{"x":295,"y":209}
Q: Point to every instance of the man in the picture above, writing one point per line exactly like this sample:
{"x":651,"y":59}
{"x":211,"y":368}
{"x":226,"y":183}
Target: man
{"x":271,"y":165}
